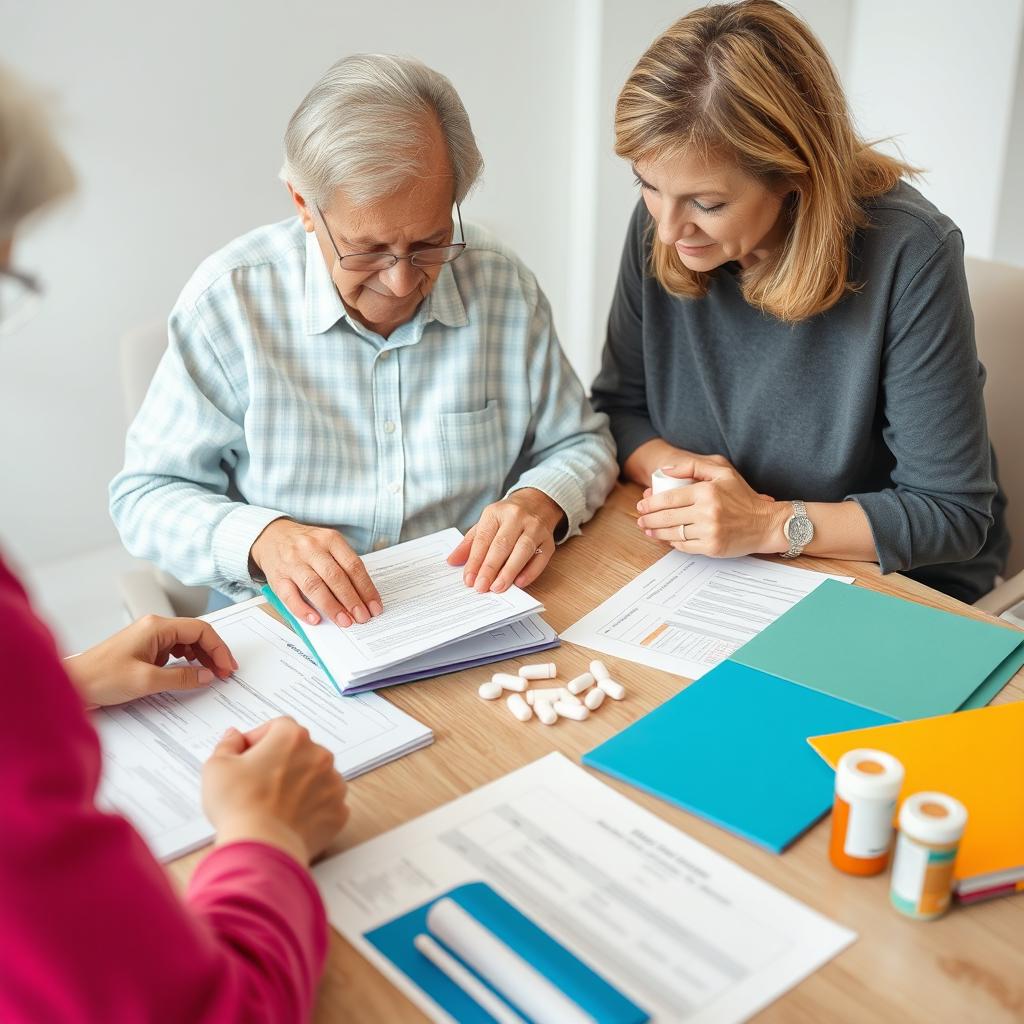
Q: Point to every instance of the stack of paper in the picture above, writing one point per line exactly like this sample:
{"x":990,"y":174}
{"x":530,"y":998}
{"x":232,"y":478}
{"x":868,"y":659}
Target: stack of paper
{"x":575,"y":887}
{"x":154,"y":748}
{"x":976,"y":756}
{"x":432,"y":622}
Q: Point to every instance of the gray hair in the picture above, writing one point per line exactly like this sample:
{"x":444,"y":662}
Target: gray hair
{"x":363,"y":125}
{"x":33,"y":168}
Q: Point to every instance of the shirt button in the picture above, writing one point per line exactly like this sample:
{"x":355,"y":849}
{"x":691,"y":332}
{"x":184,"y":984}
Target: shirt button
{"x":381,"y":544}
{"x":385,"y":353}
{"x":394,"y":488}
{"x":389,"y":426}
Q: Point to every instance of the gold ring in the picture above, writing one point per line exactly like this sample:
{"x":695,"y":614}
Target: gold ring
{"x":682,"y":530}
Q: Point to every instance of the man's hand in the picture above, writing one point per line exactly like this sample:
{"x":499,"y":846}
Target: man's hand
{"x":310,"y":565}
{"x":512,"y":543}
{"x":130,"y":663}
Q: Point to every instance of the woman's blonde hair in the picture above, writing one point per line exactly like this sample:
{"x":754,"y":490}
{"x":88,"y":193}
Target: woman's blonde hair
{"x":750,"y":83}
{"x":33,"y":168}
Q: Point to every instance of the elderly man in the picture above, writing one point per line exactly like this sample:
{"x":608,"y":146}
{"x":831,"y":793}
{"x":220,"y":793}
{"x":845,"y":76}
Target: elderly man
{"x":368,"y":372}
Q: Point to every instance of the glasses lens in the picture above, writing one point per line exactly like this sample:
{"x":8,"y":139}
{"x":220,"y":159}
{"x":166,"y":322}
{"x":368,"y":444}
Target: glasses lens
{"x":367,"y":261}
{"x":18,"y":302}
{"x":443,"y":254}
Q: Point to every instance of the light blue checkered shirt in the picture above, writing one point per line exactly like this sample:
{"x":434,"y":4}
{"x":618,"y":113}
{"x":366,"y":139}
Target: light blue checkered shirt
{"x":271,"y":401}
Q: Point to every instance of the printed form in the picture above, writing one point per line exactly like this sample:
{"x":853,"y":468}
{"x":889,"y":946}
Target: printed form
{"x":682,"y":931}
{"x":154,"y":748}
{"x":687,"y":613}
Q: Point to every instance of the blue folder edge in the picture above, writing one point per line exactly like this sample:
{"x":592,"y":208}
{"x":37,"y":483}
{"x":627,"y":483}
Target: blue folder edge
{"x":593,"y":993}
{"x":650,"y":754}
{"x":401,"y":677}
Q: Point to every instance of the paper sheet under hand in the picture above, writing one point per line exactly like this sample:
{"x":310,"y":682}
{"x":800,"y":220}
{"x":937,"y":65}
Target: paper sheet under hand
{"x":154,"y":748}
{"x":687,"y":613}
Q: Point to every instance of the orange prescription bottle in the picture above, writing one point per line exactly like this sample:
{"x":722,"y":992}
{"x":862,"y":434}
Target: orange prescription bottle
{"x":931,"y":825}
{"x":867,"y":785}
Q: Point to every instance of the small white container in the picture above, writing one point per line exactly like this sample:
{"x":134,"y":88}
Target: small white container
{"x":931,"y":825}
{"x":661,"y":481}
{"x":867,"y":785}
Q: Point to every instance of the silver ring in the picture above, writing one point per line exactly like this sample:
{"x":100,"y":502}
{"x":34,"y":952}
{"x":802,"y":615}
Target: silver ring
{"x":682,"y":530}
{"x":539,"y":551}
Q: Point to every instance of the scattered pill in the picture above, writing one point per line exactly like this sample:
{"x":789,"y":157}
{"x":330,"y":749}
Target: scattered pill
{"x":550,"y":695}
{"x":507,"y":681}
{"x":544,"y":671}
{"x":614,"y":690}
{"x":580,"y":683}
{"x":519,"y":707}
{"x":545,"y":712}
{"x":594,"y":698}
{"x":489,"y":690}
{"x":599,"y":671}
{"x":566,"y":709}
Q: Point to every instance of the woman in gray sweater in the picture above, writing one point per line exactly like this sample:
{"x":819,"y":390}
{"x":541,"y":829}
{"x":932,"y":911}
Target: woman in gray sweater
{"x":791,"y":326}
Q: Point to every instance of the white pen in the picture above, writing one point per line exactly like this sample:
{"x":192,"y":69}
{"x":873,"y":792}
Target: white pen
{"x":468,"y":982}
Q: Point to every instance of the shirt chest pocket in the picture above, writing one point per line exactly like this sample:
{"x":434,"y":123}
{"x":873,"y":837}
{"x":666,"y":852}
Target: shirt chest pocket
{"x":473,"y":455}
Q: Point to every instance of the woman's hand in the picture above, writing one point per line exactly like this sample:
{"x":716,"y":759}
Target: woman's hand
{"x":719,"y":515}
{"x":130,"y":664}
{"x":512,"y":543}
{"x":274,"y":785}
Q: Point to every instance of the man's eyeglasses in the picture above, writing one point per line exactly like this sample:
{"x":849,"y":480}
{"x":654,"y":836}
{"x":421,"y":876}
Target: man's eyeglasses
{"x":19,"y":299}
{"x":365,"y":262}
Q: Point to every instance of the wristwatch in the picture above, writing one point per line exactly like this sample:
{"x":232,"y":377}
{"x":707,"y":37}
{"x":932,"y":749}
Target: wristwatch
{"x":799,"y":530}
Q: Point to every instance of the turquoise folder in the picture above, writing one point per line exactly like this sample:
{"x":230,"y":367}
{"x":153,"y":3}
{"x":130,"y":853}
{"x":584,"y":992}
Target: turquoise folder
{"x":886,"y":654}
{"x":732,"y":748}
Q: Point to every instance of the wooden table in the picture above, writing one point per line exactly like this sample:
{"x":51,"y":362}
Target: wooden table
{"x":967,"y":966}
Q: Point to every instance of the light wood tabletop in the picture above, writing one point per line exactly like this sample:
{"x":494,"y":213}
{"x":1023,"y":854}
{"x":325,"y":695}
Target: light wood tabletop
{"x":965,"y":967}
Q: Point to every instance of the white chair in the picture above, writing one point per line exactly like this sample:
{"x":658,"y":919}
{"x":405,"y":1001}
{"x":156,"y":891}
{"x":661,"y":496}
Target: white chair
{"x":150,"y":590}
{"x":997,"y":296}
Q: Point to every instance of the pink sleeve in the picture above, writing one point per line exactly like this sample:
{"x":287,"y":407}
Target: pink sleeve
{"x":90,"y":927}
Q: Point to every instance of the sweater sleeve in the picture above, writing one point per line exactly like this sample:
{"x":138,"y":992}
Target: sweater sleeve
{"x":939,"y":508}
{"x":620,"y":389}
{"x":90,"y":927}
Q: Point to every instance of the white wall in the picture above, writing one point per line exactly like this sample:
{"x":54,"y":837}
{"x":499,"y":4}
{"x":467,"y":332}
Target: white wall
{"x":174,"y":114}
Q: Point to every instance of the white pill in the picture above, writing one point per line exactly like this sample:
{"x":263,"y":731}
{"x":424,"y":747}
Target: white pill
{"x":576,"y":711}
{"x":580,"y":683}
{"x":545,"y":671}
{"x":594,"y":698}
{"x":614,"y":690}
{"x":489,"y":691}
{"x":507,"y":681}
{"x":519,"y":707}
{"x":599,"y":671}
{"x":545,"y":712}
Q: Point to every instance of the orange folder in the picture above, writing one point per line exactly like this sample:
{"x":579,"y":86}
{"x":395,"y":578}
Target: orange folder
{"x":976,"y":756}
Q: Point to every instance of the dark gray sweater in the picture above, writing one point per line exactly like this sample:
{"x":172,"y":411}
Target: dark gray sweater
{"x":877,"y":400}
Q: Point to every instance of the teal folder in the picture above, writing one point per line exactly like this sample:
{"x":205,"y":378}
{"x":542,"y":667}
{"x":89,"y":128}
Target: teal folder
{"x":889,"y":655}
{"x":732,"y":748}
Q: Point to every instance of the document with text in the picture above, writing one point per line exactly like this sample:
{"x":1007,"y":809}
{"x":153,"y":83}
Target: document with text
{"x":432,"y":622}
{"x":154,"y":748}
{"x":687,"y":613}
{"x":681,"y":931}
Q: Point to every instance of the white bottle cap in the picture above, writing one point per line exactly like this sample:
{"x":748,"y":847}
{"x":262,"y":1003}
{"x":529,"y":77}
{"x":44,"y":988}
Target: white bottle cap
{"x":933,"y":818}
{"x":661,"y":481}
{"x":868,"y":774}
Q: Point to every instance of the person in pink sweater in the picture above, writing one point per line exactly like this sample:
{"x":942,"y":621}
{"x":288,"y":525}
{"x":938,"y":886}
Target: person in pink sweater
{"x":91,"y":928}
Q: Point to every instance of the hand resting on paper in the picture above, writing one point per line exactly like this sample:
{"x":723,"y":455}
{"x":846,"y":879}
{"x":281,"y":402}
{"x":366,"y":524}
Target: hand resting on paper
{"x":312,"y":565}
{"x":511,"y":544}
{"x":274,"y":785}
{"x":130,"y":664}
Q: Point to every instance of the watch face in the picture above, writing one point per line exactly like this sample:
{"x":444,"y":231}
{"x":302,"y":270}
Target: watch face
{"x":800,"y":531}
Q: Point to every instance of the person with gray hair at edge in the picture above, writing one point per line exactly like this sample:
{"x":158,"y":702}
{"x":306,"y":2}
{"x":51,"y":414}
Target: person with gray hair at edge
{"x":369,"y":372}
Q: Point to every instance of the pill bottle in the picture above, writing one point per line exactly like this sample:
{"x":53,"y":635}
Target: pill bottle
{"x":931,"y":825}
{"x":661,"y":481}
{"x":867,"y":785}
